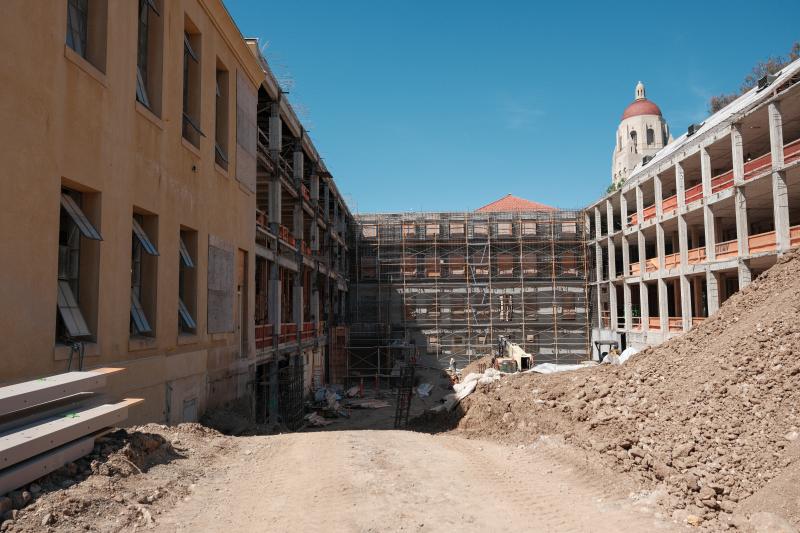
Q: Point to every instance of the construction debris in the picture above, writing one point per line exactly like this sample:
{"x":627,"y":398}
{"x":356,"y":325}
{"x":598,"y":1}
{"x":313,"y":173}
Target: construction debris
{"x":711,"y":417}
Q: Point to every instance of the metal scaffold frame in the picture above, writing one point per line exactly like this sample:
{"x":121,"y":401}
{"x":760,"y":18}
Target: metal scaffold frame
{"x":449,"y":284}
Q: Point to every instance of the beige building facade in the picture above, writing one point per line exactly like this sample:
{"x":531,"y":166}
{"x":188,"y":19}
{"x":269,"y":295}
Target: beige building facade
{"x":131,"y":141}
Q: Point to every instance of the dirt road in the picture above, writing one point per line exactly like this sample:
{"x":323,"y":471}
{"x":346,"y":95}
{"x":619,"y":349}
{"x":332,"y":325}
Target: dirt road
{"x":403,"y":481}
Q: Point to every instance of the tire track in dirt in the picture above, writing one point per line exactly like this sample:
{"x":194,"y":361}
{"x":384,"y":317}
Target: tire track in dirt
{"x":366,"y":481}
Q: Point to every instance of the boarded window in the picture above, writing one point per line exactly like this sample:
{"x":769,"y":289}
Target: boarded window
{"x":505,"y":264}
{"x":220,"y":286}
{"x":504,"y":229}
{"x":480,"y":229}
{"x":246,"y":131}
{"x":456,"y":229}
{"x":568,"y":227}
{"x":529,"y":228}
{"x":432,"y":230}
{"x":529,"y":263}
{"x":432,"y":268}
{"x":369,"y":231}
{"x":457,"y":265}
{"x":409,"y":230}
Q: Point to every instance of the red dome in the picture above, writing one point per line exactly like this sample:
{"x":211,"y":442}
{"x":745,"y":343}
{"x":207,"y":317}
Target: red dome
{"x":643,"y":106}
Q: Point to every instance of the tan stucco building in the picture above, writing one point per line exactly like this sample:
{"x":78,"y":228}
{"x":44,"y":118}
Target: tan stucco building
{"x":130,"y":137}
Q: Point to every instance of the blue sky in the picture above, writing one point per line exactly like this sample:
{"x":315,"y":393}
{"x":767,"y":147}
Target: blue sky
{"x":448,"y":105}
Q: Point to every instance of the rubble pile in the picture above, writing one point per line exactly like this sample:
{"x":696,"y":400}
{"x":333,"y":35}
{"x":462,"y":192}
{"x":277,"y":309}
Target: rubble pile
{"x":106,"y":491}
{"x":711,"y":417}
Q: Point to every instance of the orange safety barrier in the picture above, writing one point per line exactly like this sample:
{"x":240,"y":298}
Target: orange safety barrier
{"x":794,"y":236}
{"x":697,"y":320}
{"x":693,"y":193}
{"x":670,"y":204}
{"x":697,"y":255}
{"x":726,"y":250}
{"x":649,"y":212}
{"x":763,"y":242}
{"x":675,"y":324}
{"x":722,"y":182}
{"x":672,"y":261}
{"x":263,"y":336}
{"x":636,"y":323}
{"x":651,"y":265}
{"x":791,"y":152}
{"x":288,"y":332}
{"x":635,"y":269}
{"x":654,"y":324}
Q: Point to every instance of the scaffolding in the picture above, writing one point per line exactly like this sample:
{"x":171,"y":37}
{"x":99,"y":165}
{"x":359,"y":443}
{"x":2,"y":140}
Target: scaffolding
{"x":447,"y":285}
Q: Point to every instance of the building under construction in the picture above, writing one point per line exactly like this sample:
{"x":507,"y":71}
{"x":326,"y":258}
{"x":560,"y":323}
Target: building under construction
{"x":448,"y":285}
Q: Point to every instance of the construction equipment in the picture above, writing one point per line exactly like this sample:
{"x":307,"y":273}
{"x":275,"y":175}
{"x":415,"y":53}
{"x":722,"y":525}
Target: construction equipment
{"x":510,"y":357}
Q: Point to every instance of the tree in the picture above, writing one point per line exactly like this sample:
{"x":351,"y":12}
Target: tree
{"x":770,"y":66}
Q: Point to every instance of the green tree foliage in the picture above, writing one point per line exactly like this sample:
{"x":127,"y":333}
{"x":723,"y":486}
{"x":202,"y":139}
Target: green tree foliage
{"x":770,"y":66}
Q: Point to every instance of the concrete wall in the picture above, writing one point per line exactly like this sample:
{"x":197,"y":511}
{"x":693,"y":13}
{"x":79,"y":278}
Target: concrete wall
{"x":69,"y":123}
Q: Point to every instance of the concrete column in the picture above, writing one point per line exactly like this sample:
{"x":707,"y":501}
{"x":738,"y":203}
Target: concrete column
{"x":737,"y":153}
{"x":274,"y":303}
{"x":780,"y":193}
{"x":612,"y":259}
{"x":612,"y":305}
{"x":708,"y":213}
{"x":712,"y":292}
{"x":626,"y":257}
{"x":639,"y":204}
{"x":663,"y":305}
{"x":626,"y":301}
{"x":597,"y":224}
{"x":623,"y":210}
{"x":598,"y":260}
{"x":599,"y":296}
{"x":686,"y":303}
{"x":745,"y":274}
{"x":644,"y":302}
{"x":742,"y":230}
{"x":659,"y":199}
{"x":660,"y":246}
{"x":609,"y":216}
{"x":680,"y":186}
{"x":275,"y":129}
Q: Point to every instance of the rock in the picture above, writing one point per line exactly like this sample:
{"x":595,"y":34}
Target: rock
{"x":5,"y":505}
{"x":67,"y":483}
{"x":35,"y":489}
{"x":636,"y":452}
{"x":17,"y":499}
{"x":47,"y":519}
{"x":7,"y":525}
{"x":682,"y":450}
{"x":694,"y":520}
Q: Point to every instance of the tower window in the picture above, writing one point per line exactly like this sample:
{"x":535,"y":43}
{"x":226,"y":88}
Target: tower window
{"x":633,"y":141}
{"x":651,"y":136}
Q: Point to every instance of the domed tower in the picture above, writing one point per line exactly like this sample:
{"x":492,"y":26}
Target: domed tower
{"x":642,"y":132}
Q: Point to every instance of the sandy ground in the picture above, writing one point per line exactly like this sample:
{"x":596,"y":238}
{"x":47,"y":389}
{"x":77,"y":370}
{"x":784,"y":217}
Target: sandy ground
{"x":404,"y":481}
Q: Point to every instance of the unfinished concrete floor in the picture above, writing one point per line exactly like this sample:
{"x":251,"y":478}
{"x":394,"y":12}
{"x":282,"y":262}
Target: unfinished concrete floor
{"x":404,"y":481}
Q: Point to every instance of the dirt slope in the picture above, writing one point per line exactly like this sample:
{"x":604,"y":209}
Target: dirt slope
{"x":712,"y":416}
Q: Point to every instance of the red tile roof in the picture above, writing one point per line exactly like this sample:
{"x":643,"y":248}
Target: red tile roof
{"x":513,"y":203}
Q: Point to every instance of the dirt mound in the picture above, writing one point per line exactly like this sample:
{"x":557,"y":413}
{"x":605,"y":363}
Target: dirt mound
{"x":477,"y":366}
{"x":105,"y":491}
{"x":712,"y":416}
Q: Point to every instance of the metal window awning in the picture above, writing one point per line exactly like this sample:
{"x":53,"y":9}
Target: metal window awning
{"x":137,"y":315}
{"x":70,"y":312}
{"x":140,"y":234}
{"x":74,"y":211}
{"x":188,"y":47}
{"x":186,"y":257}
{"x":185,"y":315}
{"x":141,"y":90}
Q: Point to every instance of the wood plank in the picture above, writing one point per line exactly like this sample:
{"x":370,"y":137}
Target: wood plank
{"x":44,"y":435}
{"x":29,"y":393}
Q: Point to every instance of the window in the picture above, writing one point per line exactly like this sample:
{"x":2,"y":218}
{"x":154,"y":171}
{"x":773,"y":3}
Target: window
{"x":505,"y":264}
{"x":408,"y":230}
{"x":431,"y":230}
{"x":505,"y":308}
{"x":370,"y":231}
{"x":456,"y":229}
{"x":528,"y":228}
{"x":143,"y":274}
{"x":86,"y":30}
{"x":148,"y":55}
{"x":633,"y":141}
{"x":504,"y":229}
{"x":480,"y":229}
{"x":368,"y":267}
{"x":74,"y":299}
{"x":432,"y":266}
{"x":187,"y":281}
{"x":221,"y":123}
{"x":651,"y":136}
{"x":191,"y":84}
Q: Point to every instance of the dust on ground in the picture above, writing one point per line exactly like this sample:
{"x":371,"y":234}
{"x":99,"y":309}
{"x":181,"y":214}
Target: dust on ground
{"x":712,"y":417}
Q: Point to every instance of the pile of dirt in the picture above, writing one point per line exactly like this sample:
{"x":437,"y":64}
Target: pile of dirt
{"x":712,"y":418}
{"x":106,"y":491}
{"x":477,"y":366}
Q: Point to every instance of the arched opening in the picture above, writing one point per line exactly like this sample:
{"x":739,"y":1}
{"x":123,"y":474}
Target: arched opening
{"x":633,"y":141}
{"x":651,"y":136}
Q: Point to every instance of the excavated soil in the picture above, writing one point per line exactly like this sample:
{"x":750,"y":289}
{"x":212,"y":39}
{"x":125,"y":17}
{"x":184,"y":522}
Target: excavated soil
{"x":711,"y":417}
